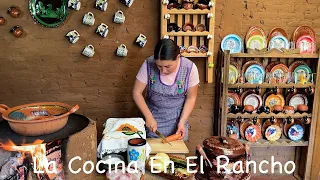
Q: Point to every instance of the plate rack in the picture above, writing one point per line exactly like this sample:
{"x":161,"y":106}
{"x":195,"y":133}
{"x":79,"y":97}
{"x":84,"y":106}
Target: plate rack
{"x":304,"y":157}
{"x":194,"y":38}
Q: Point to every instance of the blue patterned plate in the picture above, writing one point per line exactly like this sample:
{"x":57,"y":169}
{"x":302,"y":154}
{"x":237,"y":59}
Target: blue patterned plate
{"x":254,"y":74}
{"x":296,"y":132}
{"x":279,"y":42}
{"x":232,"y":42}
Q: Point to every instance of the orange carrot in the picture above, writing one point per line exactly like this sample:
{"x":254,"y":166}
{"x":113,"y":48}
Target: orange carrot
{"x":173,"y":137}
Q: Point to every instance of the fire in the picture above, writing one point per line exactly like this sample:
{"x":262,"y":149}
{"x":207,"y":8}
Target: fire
{"x":37,"y":150}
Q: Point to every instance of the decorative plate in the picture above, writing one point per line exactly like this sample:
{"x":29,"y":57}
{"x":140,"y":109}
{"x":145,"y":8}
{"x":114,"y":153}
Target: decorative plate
{"x":233,"y":74}
{"x":271,"y":65}
{"x":254,"y":74}
{"x":279,"y":42}
{"x":298,"y":99}
{"x":302,"y":74}
{"x":273,"y":100}
{"x":243,"y":126}
{"x":273,"y":133}
{"x":295,"y":64}
{"x":256,"y":42}
{"x":296,"y":132}
{"x":254,"y":30}
{"x":253,"y":133}
{"x":233,"y":98}
{"x":232,"y":42}
{"x":280,"y":73}
{"x":254,"y":100}
{"x":306,"y":44}
{"x":49,"y":13}
{"x":276,"y":32}
{"x":303,"y":30}
{"x":245,"y":94}
{"x":247,"y":64}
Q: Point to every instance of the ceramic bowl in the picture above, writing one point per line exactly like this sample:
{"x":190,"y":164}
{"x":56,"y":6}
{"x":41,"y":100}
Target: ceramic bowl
{"x":200,"y":27}
{"x":248,"y":108}
{"x":288,"y":109}
{"x":192,"y":49}
{"x":202,"y":6}
{"x":188,"y":27}
{"x":187,"y":6}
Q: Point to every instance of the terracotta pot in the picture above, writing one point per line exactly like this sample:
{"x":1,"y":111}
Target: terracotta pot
{"x":14,"y":11}
{"x":202,"y":6}
{"x":288,"y":109}
{"x":34,"y":119}
{"x":248,"y":108}
{"x":302,"y":108}
{"x":277,"y":108}
{"x":2,"y":21}
{"x":16,"y":31}
{"x":187,"y":6}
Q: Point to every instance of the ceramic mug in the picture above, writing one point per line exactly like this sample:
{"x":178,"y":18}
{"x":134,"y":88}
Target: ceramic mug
{"x":127,"y":2}
{"x":74,"y":4}
{"x":119,"y":17}
{"x":122,"y":50}
{"x":101,"y":5}
{"x":73,"y":36}
{"x":141,"y":40}
{"x":88,"y":19}
{"x":88,"y":51}
{"x":102,"y":30}
{"x":138,"y":150}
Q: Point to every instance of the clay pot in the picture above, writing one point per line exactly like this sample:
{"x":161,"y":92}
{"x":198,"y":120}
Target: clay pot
{"x":200,"y":27}
{"x":248,"y":108}
{"x":2,"y":21}
{"x":187,"y":6}
{"x":16,"y":31}
{"x":264,"y":109}
{"x":233,"y":136}
{"x":14,"y":11}
{"x":235,"y":109}
{"x":288,"y":109}
{"x":202,"y":6}
{"x":188,"y":27}
{"x":302,"y":108}
{"x":277,"y":108}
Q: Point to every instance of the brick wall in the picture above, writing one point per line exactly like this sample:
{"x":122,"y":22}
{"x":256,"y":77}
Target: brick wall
{"x":43,"y":66}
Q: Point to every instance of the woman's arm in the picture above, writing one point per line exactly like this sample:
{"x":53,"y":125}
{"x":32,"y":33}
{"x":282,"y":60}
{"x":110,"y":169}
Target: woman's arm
{"x":138,"y":98}
{"x":187,"y":109}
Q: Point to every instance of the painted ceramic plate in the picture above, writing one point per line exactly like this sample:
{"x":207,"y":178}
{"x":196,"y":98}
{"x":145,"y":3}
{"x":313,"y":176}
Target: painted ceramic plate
{"x":232,"y":42}
{"x":275,"y":32}
{"x":233,"y":74}
{"x":254,"y":100}
{"x":280,"y":73}
{"x":253,"y":133}
{"x":271,"y":65}
{"x":49,"y":13}
{"x":306,"y":44}
{"x":256,"y":42}
{"x":243,"y":126}
{"x":295,"y":64}
{"x":296,"y":132}
{"x":302,"y":74}
{"x":298,"y":99}
{"x":303,"y":30}
{"x":273,"y":133}
{"x":274,"y":99}
{"x":255,"y":30}
{"x":233,"y":98}
{"x":254,"y":74}
{"x":279,"y":42}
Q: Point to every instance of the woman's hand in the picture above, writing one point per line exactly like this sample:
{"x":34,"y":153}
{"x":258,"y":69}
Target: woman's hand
{"x":151,"y":124}
{"x":181,"y":130}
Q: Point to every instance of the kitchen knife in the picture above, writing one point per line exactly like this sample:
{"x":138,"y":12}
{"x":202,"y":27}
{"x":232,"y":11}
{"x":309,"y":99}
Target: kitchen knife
{"x":162,"y":136}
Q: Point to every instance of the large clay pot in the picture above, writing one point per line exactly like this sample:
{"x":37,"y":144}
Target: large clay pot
{"x":14,"y":11}
{"x":16,"y":31}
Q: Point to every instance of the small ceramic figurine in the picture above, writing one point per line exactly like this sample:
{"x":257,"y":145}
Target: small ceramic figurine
{"x":122,"y":50}
{"x":73,"y":36}
{"x":102,"y":30}
{"x":88,"y":19}
{"x":141,"y":40}
{"x":127,"y":2}
{"x":101,"y":5}
{"x":88,"y":51}
{"x":14,"y":11}
{"x":119,"y":17}
{"x":16,"y":31}
{"x":74,"y":4}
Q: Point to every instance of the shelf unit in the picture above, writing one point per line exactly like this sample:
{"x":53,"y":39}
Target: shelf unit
{"x":196,"y":38}
{"x":303,"y":149}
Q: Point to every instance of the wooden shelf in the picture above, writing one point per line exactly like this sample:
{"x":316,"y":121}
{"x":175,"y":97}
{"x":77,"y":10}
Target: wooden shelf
{"x":194,"y":54}
{"x":189,"y":33}
{"x":280,"y":142}
{"x":264,"y":115}
{"x":189,"y":11}
{"x":246,"y":55}
{"x":267,"y":85}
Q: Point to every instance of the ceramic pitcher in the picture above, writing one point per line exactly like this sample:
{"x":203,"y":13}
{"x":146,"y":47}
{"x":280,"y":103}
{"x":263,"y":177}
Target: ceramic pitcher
{"x":127,"y":2}
{"x":74,"y":4}
{"x":119,"y":17}
{"x":138,"y":150}
{"x":141,"y":40}
{"x":102,"y":30}
{"x":122,"y":50}
{"x":88,"y":19}
{"x":88,"y":51}
{"x":101,"y":5}
{"x":73,"y":36}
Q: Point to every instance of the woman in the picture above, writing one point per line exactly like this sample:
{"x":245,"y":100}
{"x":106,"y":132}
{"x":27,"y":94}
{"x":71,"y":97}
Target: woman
{"x":172,"y":86}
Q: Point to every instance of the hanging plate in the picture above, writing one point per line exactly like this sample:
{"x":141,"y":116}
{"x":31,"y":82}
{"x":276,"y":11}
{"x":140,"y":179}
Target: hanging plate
{"x":232,"y":42}
{"x":279,"y":42}
{"x":254,"y":100}
{"x":49,"y":13}
{"x":295,"y":64}
{"x":254,"y":30}
{"x":254,"y":74}
{"x":276,"y":32}
{"x":232,"y":98}
{"x":273,"y":133}
{"x":301,"y":31}
{"x":253,"y":133}
{"x":273,"y":100}
{"x":296,"y":132}
{"x":306,"y":44}
{"x":298,"y":99}
{"x":279,"y":72}
{"x":256,"y":42}
{"x":233,"y":74}
{"x":301,"y":72}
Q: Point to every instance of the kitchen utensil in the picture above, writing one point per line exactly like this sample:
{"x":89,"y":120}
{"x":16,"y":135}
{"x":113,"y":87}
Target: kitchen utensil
{"x":162,"y":137}
{"x":203,"y":154}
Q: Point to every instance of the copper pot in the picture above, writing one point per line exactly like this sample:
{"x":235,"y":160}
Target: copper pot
{"x":38,"y":118}
{"x":14,"y":11}
{"x":2,"y":21}
{"x":16,"y":31}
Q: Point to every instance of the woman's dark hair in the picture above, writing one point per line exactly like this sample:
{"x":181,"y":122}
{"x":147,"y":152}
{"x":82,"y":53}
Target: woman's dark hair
{"x":166,"y":49}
